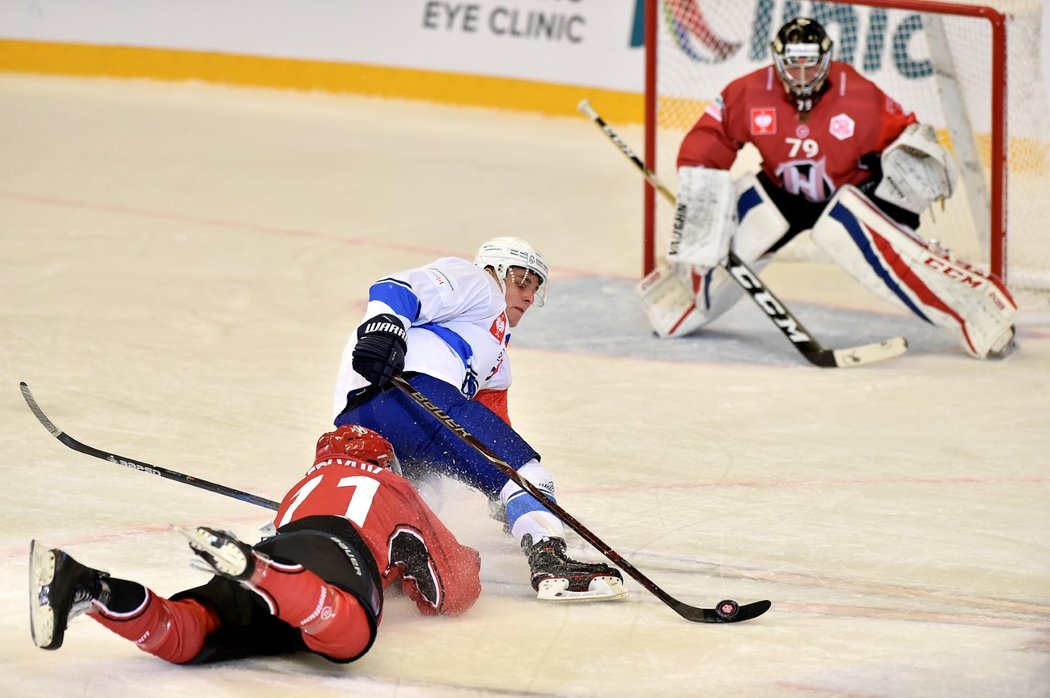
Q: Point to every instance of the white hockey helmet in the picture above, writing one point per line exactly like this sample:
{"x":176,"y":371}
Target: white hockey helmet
{"x":502,"y":253}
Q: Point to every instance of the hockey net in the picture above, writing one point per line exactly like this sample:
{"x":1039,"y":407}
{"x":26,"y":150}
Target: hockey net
{"x":941,"y":60}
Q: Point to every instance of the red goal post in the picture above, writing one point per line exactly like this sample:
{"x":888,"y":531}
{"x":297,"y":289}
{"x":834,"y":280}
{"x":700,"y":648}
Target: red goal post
{"x":947,"y":70}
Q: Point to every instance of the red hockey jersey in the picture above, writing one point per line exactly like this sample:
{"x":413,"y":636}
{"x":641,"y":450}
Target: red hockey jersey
{"x":810,"y":154}
{"x":383,"y":506}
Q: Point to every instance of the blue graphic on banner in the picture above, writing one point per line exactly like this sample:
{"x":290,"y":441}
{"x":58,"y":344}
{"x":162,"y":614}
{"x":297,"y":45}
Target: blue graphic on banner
{"x":690,"y":31}
{"x":638,"y":25}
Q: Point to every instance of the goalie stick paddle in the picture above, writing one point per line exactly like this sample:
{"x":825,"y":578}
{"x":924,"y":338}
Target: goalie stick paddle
{"x":141,"y":466}
{"x":727,"y":611}
{"x":813,"y":351}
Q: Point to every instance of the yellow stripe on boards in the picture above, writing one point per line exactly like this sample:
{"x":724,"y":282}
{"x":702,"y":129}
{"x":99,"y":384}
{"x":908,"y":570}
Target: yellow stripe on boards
{"x":259,"y":71}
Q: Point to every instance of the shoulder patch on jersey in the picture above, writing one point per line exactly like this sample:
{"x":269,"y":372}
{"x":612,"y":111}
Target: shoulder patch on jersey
{"x":499,"y":327}
{"x":763,"y":121}
{"x":841,"y":126}
{"x":715,"y":108}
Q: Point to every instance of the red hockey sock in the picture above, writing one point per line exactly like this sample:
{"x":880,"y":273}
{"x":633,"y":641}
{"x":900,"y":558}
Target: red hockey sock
{"x":332,"y":621}
{"x":171,"y":630}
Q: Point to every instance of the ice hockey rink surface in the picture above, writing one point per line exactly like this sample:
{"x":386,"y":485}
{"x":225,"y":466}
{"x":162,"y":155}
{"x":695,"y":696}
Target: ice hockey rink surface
{"x":182,"y":264}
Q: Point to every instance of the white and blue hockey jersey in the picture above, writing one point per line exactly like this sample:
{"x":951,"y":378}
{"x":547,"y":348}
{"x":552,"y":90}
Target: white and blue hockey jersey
{"x":458,"y":332}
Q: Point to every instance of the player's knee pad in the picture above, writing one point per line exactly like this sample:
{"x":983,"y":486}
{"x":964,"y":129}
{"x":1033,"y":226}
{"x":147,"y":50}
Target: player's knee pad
{"x":760,"y":224}
{"x":331,"y":548}
{"x":902,"y":269}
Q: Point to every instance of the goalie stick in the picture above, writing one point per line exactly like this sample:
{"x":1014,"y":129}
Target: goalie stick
{"x":813,"y":351}
{"x":141,"y":466}
{"x":727,"y":611}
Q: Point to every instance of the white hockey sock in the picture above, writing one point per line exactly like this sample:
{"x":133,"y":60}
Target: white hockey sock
{"x":525,"y":515}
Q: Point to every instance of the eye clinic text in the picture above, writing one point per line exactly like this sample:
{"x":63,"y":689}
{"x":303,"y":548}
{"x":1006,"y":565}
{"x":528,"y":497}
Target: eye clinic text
{"x":503,"y":21}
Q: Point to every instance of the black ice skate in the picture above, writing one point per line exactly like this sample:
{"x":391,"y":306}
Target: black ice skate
{"x":60,"y":589}
{"x":223,"y":553}
{"x":556,"y":577}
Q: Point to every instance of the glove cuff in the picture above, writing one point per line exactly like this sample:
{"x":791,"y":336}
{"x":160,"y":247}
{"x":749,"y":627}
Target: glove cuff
{"x":384,"y":323}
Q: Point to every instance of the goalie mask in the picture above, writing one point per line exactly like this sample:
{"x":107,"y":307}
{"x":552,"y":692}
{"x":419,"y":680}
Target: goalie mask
{"x":802,"y":58}
{"x":357,"y":443}
{"x":502,"y":253}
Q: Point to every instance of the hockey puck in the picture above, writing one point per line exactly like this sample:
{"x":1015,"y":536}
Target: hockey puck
{"x":727,"y":609}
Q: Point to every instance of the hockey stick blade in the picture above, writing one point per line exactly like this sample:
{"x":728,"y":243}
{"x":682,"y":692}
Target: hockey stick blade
{"x":812,"y":350}
{"x":725,"y":612}
{"x":867,"y":353}
{"x":141,"y":466}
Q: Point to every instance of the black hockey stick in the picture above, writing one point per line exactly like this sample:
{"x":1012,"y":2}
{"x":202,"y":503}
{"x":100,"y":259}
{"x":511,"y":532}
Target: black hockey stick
{"x":140,"y":465}
{"x":725,"y":612}
{"x":814,"y":352}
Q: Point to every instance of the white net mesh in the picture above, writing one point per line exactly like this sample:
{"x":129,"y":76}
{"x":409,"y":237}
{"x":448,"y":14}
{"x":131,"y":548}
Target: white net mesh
{"x":938,"y":65}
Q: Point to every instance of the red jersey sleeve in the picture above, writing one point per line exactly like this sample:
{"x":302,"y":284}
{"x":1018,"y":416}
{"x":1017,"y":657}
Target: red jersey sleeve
{"x":894,"y":120}
{"x":721,"y":131}
{"x":708,"y":142}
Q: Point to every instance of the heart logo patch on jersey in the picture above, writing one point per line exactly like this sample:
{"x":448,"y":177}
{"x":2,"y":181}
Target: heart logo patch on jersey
{"x":763,"y":122}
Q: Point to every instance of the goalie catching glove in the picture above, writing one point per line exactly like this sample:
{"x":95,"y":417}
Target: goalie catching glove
{"x":916,"y":170}
{"x":379,"y":354}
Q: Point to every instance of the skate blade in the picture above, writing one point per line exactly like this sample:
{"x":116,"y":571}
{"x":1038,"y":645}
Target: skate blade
{"x":41,"y":615}
{"x":224,"y":558}
{"x":600,"y":589}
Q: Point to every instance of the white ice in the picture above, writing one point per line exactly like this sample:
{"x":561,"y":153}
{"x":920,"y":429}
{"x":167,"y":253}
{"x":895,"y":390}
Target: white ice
{"x":182,"y":264}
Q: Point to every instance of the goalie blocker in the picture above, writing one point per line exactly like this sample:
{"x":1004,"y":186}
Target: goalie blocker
{"x":904,"y":270}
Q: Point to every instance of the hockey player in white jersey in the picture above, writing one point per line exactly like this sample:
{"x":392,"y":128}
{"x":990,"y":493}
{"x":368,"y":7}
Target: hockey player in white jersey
{"x":445,"y":328}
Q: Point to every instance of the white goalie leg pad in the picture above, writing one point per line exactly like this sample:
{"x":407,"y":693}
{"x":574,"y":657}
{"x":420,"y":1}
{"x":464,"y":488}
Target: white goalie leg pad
{"x":668,"y":302}
{"x":682,"y":298}
{"x":760,"y":224}
{"x":705,"y":217}
{"x":902,"y":269}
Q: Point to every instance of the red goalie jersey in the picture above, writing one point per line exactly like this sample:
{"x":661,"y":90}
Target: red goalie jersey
{"x":395,"y":525}
{"x":809,"y":154}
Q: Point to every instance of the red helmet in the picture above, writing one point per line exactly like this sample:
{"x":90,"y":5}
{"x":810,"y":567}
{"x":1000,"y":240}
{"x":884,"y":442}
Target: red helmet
{"x":358,"y":443}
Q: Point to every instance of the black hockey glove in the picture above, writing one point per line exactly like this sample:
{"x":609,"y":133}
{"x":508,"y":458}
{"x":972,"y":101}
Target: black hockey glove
{"x":380,"y":351}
